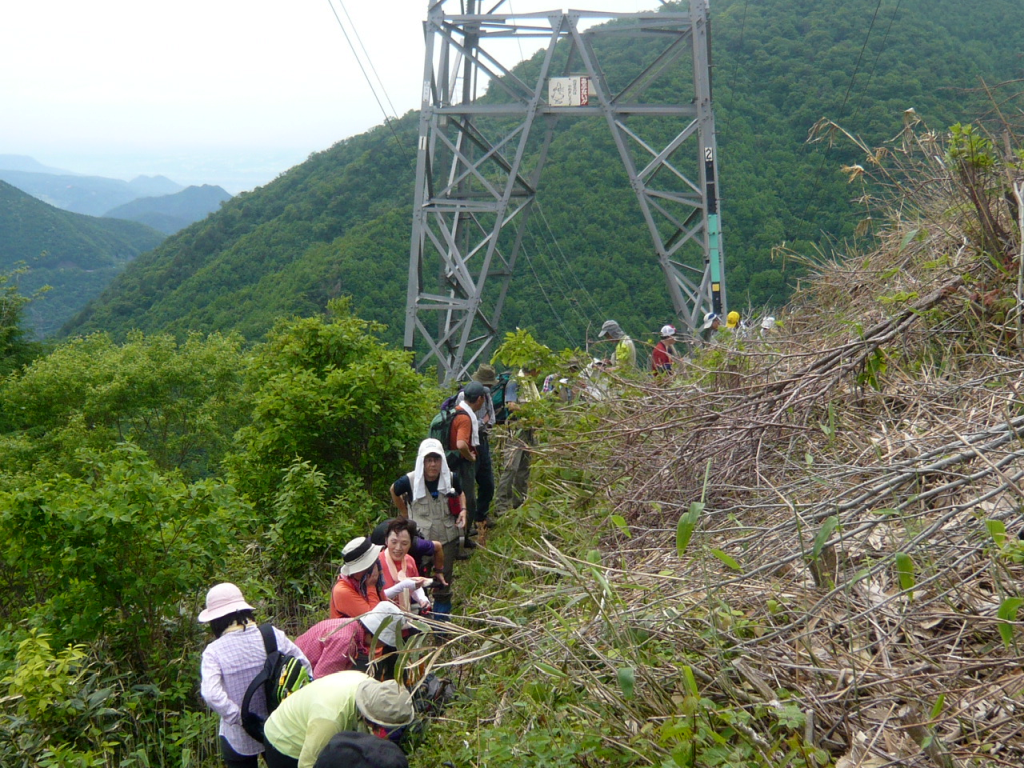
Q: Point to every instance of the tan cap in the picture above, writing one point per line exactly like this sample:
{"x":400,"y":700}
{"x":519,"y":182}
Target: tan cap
{"x":387,"y":704}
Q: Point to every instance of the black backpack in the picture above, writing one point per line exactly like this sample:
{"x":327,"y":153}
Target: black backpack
{"x":281,"y":676}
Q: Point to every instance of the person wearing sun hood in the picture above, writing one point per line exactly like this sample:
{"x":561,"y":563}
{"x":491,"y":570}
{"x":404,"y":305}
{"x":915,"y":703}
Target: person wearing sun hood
{"x":432,"y":496}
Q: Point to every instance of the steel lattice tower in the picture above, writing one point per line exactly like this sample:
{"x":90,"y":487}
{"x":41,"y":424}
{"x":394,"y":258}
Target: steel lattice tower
{"x":479,"y":159}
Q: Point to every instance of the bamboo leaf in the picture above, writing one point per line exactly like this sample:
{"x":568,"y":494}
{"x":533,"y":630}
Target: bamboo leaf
{"x":627,"y":681}
{"x":824,"y":533}
{"x":729,"y":561}
{"x":939,"y":703}
{"x":1008,"y":613}
{"x":689,"y":681}
{"x":905,"y":571}
{"x":687,"y":524}
{"x":620,"y":523}
{"x":997,"y":530}
{"x":543,"y":666}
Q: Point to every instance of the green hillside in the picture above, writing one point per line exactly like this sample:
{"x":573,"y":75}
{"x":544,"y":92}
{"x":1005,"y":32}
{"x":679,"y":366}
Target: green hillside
{"x":339,"y":224}
{"x":74,"y":254}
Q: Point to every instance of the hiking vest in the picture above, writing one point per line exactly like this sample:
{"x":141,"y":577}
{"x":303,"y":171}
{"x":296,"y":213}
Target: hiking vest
{"x":434,"y":521}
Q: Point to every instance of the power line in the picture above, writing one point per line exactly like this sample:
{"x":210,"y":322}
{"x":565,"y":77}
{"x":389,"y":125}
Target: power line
{"x":387,"y":119}
{"x":842,"y":108}
{"x":369,"y":60}
{"x":565,"y":259}
{"x":565,"y":331}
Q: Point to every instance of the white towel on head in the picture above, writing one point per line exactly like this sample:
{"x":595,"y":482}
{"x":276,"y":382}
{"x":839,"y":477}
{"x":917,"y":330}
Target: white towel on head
{"x":419,"y":483}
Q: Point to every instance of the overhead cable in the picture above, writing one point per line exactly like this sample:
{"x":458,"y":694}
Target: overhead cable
{"x":387,"y":119}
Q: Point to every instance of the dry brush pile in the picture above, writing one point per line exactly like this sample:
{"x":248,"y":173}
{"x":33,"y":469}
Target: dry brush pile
{"x":862,"y":478}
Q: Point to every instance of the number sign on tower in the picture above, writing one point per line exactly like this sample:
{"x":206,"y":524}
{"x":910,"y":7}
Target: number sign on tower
{"x":485,"y":132}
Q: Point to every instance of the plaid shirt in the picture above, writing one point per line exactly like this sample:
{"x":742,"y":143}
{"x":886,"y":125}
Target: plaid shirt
{"x":333,"y":645}
{"x":229,"y":664}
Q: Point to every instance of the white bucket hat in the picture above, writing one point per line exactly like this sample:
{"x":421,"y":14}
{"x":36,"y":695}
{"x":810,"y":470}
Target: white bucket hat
{"x":709,"y":319}
{"x":375,"y":617}
{"x":359,"y":554}
{"x":221,"y":600}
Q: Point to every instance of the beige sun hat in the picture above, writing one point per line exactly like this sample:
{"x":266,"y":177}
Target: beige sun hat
{"x":387,"y":704}
{"x":358,"y":555}
{"x":221,"y":600}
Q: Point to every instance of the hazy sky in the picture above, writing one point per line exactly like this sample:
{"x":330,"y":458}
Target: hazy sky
{"x":206,"y":91}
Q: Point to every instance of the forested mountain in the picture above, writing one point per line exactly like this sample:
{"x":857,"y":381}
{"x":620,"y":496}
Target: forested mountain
{"x":91,"y":195}
{"x":74,"y":254}
{"x":340,"y":223}
{"x":171,"y":213}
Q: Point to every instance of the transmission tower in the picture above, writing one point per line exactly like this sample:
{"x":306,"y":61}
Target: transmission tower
{"x":480,"y":157}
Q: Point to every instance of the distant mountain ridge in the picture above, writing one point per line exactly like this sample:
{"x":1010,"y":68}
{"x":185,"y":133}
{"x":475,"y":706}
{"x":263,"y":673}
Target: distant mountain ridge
{"x":91,"y":195}
{"x":30,"y":165}
{"x":171,"y":213}
{"x":74,"y":254}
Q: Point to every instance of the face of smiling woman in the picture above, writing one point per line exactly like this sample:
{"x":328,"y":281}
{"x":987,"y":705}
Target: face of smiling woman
{"x":398,"y":545}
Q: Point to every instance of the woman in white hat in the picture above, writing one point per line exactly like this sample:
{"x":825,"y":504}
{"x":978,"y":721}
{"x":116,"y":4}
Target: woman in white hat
{"x":230,"y":663}
{"x":360,"y":585}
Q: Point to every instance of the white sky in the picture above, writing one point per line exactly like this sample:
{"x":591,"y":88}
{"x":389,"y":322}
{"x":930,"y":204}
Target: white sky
{"x":229,"y":92}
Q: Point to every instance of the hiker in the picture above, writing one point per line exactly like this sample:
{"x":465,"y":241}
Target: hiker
{"x":767,"y":324}
{"x":429,"y":555}
{"x":350,"y":749}
{"x":486,"y":375}
{"x":335,"y":645}
{"x":360,"y":585}
{"x":664,"y":350}
{"x":625,"y":350}
{"x":515,"y":476}
{"x":230,"y":663}
{"x":299,"y":729}
{"x":465,"y":437}
{"x":712,"y":322}
{"x":397,"y":564}
{"x":432,"y":497}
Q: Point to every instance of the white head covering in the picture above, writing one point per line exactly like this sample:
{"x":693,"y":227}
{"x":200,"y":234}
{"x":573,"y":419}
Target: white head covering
{"x":221,"y":600}
{"x":444,"y":482}
{"x":376,"y":616}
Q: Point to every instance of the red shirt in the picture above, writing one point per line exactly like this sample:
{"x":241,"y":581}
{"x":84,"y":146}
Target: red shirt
{"x":660,"y":360}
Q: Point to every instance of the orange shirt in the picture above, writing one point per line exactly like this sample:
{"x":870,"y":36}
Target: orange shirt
{"x":348,"y":603}
{"x":462,"y":429}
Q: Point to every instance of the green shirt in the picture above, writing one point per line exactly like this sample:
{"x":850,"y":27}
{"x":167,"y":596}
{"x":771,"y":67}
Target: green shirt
{"x":303,"y":723}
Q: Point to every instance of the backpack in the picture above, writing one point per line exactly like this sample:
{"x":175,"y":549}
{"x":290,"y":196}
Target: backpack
{"x":441,"y":429}
{"x":281,"y":676}
{"x":498,"y":397}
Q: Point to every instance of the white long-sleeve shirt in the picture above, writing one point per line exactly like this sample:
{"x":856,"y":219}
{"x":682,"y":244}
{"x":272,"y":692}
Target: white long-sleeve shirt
{"x":229,"y":664}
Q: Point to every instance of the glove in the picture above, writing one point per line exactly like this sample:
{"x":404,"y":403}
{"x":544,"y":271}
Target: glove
{"x":391,"y":592}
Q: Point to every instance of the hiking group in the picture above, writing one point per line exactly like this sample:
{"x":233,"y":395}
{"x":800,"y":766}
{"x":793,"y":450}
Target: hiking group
{"x":322,"y":700}
{"x":313,"y":702}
